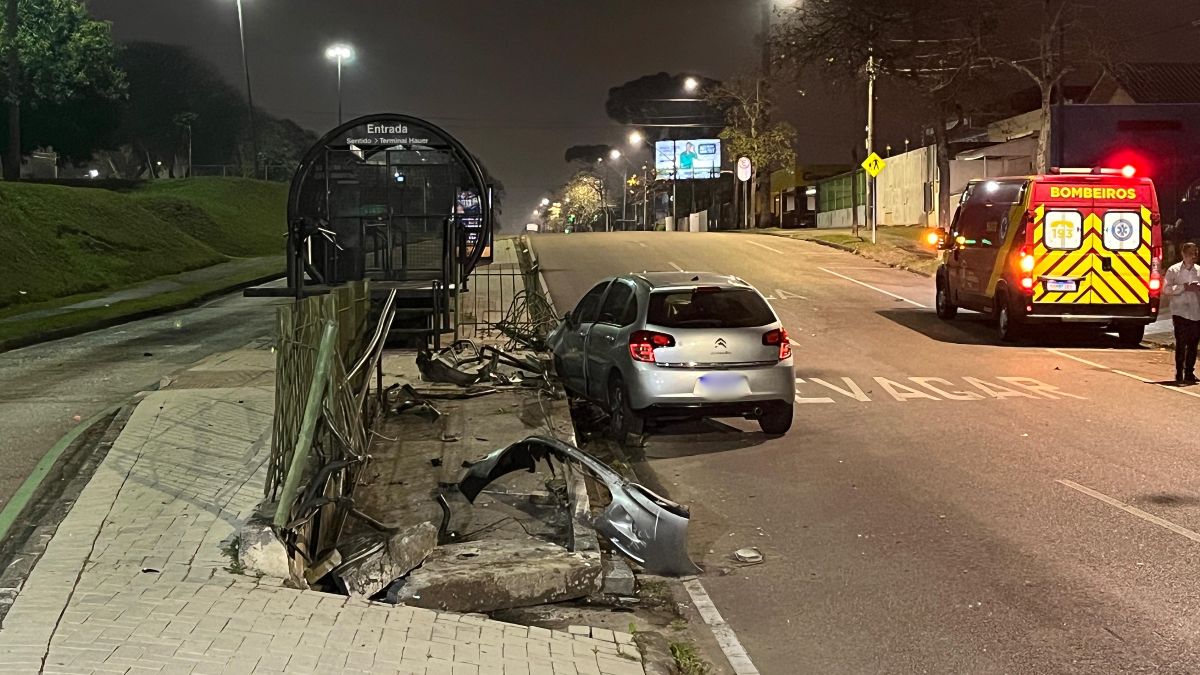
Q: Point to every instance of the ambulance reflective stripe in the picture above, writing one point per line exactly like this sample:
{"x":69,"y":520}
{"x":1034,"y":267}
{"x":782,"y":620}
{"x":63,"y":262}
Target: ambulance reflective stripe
{"x":1125,"y":283}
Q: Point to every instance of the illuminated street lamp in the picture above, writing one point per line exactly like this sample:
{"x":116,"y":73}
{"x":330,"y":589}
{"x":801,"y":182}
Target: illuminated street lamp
{"x":341,"y":53}
{"x":691,"y":84}
{"x":545,"y":201}
{"x":249,"y":92}
{"x":614,"y":154}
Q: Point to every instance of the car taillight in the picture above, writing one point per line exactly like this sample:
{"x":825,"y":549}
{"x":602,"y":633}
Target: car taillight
{"x":779,"y":337}
{"x":642,"y":344}
{"x":1155,"y":277}
{"x":1027,"y":283}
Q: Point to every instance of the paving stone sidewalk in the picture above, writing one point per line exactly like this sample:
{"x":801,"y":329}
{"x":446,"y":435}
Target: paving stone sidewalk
{"x":136,"y":579}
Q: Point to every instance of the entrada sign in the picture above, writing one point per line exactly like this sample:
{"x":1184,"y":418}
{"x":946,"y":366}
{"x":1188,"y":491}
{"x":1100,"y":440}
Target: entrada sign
{"x":389,"y":135}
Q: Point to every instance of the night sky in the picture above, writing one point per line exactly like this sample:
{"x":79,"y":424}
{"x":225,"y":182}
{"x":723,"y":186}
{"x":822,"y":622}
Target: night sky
{"x":518,"y":81}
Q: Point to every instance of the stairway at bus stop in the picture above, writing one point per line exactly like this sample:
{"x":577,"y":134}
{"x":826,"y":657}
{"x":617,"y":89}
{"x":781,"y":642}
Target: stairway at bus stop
{"x":138,"y":577}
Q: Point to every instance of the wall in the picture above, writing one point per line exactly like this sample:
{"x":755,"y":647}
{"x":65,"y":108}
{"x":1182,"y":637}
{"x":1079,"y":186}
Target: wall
{"x":841,"y":218}
{"x":902,"y":187}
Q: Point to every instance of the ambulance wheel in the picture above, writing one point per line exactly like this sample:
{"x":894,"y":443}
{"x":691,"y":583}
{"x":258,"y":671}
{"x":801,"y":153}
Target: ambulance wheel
{"x":1007,"y":326}
{"x":945,"y":309}
{"x":1131,"y":336}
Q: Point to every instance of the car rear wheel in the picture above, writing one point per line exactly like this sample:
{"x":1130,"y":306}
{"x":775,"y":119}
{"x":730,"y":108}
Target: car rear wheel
{"x":624,"y":422}
{"x":1131,"y":336}
{"x":945,"y":309}
{"x":776,"y":419}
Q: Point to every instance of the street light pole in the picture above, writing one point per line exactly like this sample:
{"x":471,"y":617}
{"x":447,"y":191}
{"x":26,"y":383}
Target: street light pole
{"x":249,"y":91}
{"x":339,"y":59}
{"x":339,"y":53}
{"x":871,"y":141}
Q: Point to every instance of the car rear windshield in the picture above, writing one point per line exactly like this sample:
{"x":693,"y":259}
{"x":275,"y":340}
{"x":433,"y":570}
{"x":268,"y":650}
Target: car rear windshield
{"x":709,"y":308}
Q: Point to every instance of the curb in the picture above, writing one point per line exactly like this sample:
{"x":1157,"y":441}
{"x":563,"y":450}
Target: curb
{"x":32,"y":517}
{"x":28,"y":489}
{"x":99,"y":324}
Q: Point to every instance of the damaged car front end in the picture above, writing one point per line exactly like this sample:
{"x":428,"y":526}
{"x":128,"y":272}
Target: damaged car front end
{"x":647,"y":528}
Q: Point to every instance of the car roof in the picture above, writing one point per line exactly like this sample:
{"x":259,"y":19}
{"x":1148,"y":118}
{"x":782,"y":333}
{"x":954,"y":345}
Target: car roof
{"x":657,"y":280}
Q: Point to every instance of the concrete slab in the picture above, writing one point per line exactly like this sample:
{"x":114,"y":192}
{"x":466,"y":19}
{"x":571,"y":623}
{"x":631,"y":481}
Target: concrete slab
{"x":485,"y":576}
{"x":398,"y":557}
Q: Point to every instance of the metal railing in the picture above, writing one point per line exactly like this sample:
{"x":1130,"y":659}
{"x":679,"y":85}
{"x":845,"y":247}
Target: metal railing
{"x":323,"y":410}
{"x":505,"y":302}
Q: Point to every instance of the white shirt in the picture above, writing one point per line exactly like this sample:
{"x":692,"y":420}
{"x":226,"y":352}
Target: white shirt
{"x":1184,"y":303}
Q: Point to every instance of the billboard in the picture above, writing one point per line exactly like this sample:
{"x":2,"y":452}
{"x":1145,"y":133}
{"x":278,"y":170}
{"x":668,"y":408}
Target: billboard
{"x":685,"y":160}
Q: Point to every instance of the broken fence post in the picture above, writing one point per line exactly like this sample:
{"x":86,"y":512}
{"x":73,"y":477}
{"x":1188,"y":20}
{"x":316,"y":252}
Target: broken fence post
{"x":312,"y":410}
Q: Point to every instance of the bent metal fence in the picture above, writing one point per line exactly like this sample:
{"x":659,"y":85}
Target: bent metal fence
{"x":323,"y":410}
{"x":506,"y":301}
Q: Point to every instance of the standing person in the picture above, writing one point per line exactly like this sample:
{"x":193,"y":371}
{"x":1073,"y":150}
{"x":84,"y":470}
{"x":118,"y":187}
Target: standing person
{"x":1183,"y":287}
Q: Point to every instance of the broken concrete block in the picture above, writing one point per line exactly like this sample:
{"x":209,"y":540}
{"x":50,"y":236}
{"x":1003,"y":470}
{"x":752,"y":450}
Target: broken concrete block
{"x":583,"y":535}
{"x":618,"y":578}
{"x":403,"y":552}
{"x":260,"y":553}
{"x":486,"y":576}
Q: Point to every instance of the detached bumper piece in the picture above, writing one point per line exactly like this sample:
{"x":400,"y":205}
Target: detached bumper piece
{"x":647,"y":528}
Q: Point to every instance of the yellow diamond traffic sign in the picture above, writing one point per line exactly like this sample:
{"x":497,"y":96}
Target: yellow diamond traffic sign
{"x":874,"y":165}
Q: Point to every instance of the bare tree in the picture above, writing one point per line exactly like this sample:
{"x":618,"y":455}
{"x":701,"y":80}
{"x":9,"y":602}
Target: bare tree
{"x":749,"y":130}
{"x":935,"y":48}
{"x":1049,"y":61}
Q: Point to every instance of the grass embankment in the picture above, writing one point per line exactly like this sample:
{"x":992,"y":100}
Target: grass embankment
{"x":64,"y":245}
{"x":897,"y":246}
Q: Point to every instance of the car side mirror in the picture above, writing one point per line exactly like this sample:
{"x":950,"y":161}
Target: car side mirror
{"x":568,"y":319}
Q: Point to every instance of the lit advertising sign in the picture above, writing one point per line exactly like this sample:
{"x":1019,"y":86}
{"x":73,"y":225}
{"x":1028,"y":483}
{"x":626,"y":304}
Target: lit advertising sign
{"x":685,"y":160}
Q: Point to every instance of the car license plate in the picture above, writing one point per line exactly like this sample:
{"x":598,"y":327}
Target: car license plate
{"x":720,"y":381}
{"x":1060,"y":285}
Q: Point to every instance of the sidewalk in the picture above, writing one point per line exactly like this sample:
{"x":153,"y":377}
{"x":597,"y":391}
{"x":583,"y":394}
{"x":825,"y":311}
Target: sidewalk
{"x":137,"y":578}
{"x":64,"y":317}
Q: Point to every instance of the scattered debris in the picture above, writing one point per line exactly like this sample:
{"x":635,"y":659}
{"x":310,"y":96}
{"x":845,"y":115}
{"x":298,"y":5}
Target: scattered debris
{"x":649,"y":529}
{"x":749,"y":555}
{"x":411,"y":399}
{"x":322,"y":567}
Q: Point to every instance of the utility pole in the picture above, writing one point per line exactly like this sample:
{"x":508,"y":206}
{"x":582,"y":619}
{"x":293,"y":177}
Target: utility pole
{"x":12,"y":158}
{"x":249,"y":91}
{"x":624,"y":195}
{"x":871,"y":140}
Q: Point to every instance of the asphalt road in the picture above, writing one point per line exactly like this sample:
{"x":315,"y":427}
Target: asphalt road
{"x":47,"y":388}
{"x":1034,"y":509}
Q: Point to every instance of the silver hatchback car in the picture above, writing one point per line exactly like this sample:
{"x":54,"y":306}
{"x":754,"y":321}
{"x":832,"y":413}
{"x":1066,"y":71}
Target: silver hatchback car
{"x":677,"y":345}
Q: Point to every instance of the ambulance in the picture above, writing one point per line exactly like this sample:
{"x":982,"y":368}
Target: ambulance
{"x":1075,"y":246}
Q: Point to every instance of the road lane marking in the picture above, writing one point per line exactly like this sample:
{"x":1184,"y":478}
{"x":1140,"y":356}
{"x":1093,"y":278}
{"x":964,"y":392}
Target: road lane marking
{"x":1079,"y":359}
{"x":677,"y":267}
{"x":874,"y":288}
{"x":1026,"y":387}
{"x":1148,"y":517}
{"x":1122,"y":373}
{"x":788,"y":295}
{"x":642,"y":244}
{"x":773,"y":250}
{"x":739,"y":660}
